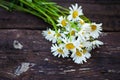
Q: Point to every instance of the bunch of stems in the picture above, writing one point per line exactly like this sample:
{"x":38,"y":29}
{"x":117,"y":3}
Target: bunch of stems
{"x":47,"y":10}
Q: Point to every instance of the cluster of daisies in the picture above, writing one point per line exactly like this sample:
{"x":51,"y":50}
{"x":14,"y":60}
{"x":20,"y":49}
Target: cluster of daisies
{"x":74,"y":37}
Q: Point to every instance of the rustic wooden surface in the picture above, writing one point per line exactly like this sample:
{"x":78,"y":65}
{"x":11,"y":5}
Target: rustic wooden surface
{"x":103,"y":65}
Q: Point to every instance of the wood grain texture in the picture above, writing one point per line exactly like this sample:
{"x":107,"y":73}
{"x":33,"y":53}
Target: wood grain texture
{"x":104,"y":63}
{"x":90,"y":1}
{"x":97,"y":11}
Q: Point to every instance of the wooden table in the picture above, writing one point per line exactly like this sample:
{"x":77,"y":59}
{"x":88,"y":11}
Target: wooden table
{"x":41,"y":64}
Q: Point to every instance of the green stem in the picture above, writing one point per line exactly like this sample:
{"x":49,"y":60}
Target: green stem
{"x":4,"y":7}
{"x":19,"y":8}
{"x":39,"y":10}
{"x":44,"y":9}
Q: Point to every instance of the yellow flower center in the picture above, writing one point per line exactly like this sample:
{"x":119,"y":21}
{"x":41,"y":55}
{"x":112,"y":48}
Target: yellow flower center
{"x":78,"y":53}
{"x":82,"y":22}
{"x":75,"y":14}
{"x":70,"y":46}
{"x":93,"y":27}
{"x":60,"y":51}
{"x":72,"y":33}
{"x":49,"y":32}
{"x":64,"y":22}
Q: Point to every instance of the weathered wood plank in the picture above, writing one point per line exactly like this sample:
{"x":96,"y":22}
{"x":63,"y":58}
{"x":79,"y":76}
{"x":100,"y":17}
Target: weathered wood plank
{"x":19,"y":20}
{"x":108,"y":14}
{"x":96,"y":67}
{"x":90,"y":1}
{"x":32,"y":40}
{"x":104,"y":64}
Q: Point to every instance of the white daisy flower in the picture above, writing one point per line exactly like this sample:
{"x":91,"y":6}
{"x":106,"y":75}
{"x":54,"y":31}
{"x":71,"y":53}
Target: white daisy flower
{"x":84,"y":32}
{"x":80,"y":36}
{"x":57,"y":36}
{"x":87,"y":45}
{"x":59,"y":50}
{"x":75,"y":12}
{"x":95,"y":30}
{"x":49,"y":34}
{"x":96,"y":43}
{"x":70,"y":43}
{"x":78,"y":57}
{"x":62,"y":21}
{"x":86,"y":54}
{"x":81,"y":22}
{"x":86,"y":27}
{"x":72,"y":32}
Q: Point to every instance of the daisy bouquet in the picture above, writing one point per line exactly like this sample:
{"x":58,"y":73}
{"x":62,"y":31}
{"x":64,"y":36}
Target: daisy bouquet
{"x":74,"y":36}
